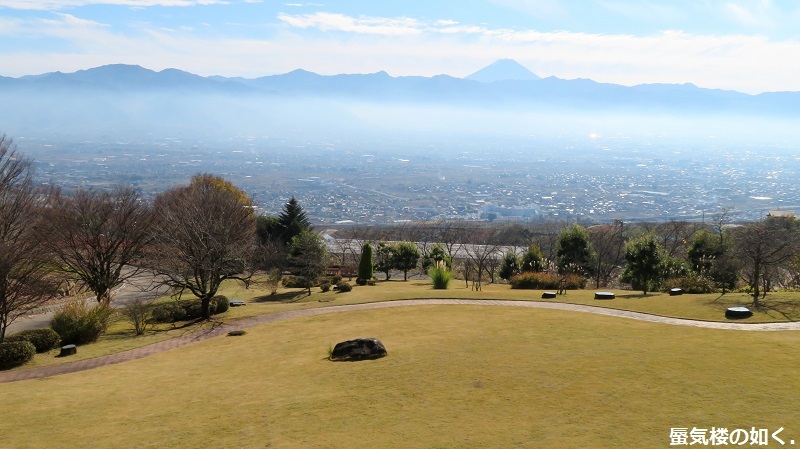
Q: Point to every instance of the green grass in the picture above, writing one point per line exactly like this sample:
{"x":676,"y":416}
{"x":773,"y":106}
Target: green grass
{"x":456,"y":376}
{"x":710,"y":307}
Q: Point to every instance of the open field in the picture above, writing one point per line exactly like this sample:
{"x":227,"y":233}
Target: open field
{"x":456,"y":376}
{"x":710,"y":307}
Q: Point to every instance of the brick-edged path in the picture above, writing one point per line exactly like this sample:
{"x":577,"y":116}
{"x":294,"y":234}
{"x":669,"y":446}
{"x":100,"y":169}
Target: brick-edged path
{"x":138,"y":353}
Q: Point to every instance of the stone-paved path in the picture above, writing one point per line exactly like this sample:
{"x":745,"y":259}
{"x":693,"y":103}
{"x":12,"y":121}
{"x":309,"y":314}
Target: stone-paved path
{"x":221,"y":329}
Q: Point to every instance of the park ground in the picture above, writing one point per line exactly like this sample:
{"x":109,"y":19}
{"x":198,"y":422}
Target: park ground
{"x":456,"y":376}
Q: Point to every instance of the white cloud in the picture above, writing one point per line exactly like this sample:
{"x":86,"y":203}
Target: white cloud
{"x":62,"y":4}
{"x":362,"y":25}
{"x":404,"y":46}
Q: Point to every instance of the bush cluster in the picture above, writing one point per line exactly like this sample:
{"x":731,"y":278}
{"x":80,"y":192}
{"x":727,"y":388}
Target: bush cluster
{"x":536,"y":281}
{"x":692,"y":283}
{"x":294,"y":282}
{"x":78,"y":323}
{"x":325,"y":286}
{"x":172,"y":312}
{"x":15,"y":353}
{"x":42,"y":339}
{"x":343,"y":287}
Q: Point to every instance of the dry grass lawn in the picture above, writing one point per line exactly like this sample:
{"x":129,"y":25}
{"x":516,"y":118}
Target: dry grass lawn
{"x":710,"y":307}
{"x":456,"y":376}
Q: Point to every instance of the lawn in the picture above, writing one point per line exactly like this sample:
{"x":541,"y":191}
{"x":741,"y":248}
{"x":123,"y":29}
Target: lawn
{"x":710,"y":307}
{"x":456,"y":376}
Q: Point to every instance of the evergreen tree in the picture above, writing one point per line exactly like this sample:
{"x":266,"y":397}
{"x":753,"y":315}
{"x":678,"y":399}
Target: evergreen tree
{"x":533,"y":259}
{"x":435,"y":255}
{"x":384,"y":260}
{"x":510,"y":265}
{"x":293,"y":220}
{"x":365,"y":264}
{"x":574,"y":250}
{"x":645,"y":268}
{"x":307,"y":257}
{"x":405,"y":257}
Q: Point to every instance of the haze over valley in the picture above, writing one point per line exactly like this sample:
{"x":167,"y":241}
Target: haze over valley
{"x":501,"y":143}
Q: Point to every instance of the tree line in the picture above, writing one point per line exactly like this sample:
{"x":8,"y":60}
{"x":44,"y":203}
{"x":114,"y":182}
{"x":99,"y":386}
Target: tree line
{"x":717,"y":255}
{"x":191,"y":238}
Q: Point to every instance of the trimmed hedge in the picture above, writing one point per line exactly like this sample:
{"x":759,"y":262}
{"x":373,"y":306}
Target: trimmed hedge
{"x":537,"y":281}
{"x":344,"y":287}
{"x":325,"y":286}
{"x":42,"y":339}
{"x":15,"y":353}
{"x":220,"y":304}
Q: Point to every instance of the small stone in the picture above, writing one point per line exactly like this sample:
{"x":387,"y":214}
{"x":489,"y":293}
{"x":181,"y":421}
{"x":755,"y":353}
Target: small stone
{"x":359,"y":349}
{"x":236,"y":333}
{"x":68,"y":350}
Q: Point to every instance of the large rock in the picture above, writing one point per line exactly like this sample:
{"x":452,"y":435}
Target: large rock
{"x":359,"y":349}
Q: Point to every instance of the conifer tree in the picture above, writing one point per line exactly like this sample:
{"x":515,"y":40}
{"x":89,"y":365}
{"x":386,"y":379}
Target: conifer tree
{"x":293,"y":220}
{"x":365,"y":264}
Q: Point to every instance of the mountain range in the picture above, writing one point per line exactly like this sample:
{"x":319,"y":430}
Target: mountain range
{"x":503,"y":84}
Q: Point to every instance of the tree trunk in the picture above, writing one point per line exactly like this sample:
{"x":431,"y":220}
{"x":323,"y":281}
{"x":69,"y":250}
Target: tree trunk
{"x":405,"y":275}
{"x":756,"y":281}
{"x":206,"y":305}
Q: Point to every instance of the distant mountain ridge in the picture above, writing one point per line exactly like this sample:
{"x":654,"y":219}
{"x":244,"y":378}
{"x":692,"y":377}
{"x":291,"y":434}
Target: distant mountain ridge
{"x":503,"y":84}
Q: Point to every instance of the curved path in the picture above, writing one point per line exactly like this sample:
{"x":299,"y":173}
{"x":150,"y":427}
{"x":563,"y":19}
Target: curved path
{"x":138,"y":353}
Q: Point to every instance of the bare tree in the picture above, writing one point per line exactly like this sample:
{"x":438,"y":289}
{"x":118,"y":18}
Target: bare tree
{"x":608,"y":242}
{"x":480,"y":251}
{"x":97,"y":238}
{"x":763,"y":245}
{"x":24,"y":279}
{"x":675,"y":236}
{"x":204,"y":234}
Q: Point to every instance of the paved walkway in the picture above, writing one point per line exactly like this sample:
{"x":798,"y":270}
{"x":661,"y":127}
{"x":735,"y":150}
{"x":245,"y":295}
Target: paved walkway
{"x":221,"y":329}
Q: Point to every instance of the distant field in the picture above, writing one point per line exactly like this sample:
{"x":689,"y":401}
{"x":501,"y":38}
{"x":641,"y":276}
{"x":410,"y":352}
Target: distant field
{"x":456,"y":376}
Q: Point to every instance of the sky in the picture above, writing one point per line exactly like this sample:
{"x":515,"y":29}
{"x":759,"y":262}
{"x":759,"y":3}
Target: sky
{"x":746,"y":45}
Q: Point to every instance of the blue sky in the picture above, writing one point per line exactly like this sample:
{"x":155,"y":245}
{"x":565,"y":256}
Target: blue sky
{"x":746,"y":45}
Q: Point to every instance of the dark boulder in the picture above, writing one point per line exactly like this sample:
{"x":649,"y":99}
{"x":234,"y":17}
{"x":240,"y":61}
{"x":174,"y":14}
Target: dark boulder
{"x":359,"y":349}
{"x":68,"y":350}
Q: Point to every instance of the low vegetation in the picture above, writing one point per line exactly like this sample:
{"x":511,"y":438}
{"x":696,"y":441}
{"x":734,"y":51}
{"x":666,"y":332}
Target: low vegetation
{"x":455,"y":376}
{"x":79,"y":323}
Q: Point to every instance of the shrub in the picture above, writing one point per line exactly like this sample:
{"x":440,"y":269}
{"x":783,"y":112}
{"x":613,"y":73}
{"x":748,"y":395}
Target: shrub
{"x":172,"y":312}
{"x":15,"y":353}
{"x":325,"y":286}
{"x":294,"y":282}
{"x":535,"y":281}
{"x":344,"y":287}
{"x":78,"y":323}
{"x":222,"y":304}
{"x":42,"y":339}
{"x":360,"y":281}
{"x":336,"y":279}
{"x":440,"y":276}
{"x":169,"y":313}
{"x":692,"y":283}
{"x":372,"y":282}
{"x":194,"y":308}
